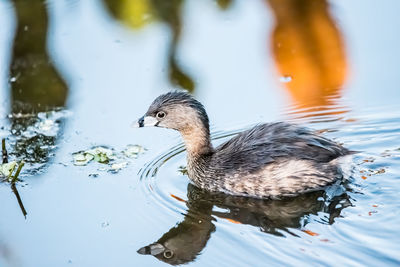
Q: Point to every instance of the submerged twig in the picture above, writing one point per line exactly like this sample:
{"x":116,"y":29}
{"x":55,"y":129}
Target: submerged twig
{"x":21,"y":205}
{"x":4,"y":151}
{"x":9,"y":177}
{"x":15,"y":177}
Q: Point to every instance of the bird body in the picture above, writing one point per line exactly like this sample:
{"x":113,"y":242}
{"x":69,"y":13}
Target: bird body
{"x":270,"y":160}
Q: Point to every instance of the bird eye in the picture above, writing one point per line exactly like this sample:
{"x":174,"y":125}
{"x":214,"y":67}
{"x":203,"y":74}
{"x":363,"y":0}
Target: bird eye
{"x":160,"y":114}
{"x":168,"y":254}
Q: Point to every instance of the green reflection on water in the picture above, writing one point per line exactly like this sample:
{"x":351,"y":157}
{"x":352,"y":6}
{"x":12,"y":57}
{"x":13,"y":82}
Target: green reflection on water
{"x":35,"y":83}
{"x":138,"y":13}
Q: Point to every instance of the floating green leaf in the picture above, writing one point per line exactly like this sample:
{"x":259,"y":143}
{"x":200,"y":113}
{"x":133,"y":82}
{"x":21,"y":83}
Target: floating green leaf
{"x":7,"y":169}
{"x":132,"y":151}
{"x":82,"y":158}
{"x":118,"y":166}
{"x":115,"y":160}
{"x":98,"y":154}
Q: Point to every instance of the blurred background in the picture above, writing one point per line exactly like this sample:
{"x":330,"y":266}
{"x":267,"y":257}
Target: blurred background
{"x":74,"y":74}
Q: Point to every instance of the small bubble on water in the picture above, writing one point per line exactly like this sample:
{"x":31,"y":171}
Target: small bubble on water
{"x":285,"y":79}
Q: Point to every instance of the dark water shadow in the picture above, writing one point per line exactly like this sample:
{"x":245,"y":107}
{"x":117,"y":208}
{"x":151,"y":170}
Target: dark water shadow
{"x":37,"y":89}
{"x":182,"y":243}
{"x":7,"y":255}
{"x":38,"y":93}
{"x":35,"y":83}
{"x":170,"y":12}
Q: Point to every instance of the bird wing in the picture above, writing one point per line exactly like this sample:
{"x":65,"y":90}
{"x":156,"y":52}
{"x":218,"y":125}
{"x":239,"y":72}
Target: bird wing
{"x":266,"y":143}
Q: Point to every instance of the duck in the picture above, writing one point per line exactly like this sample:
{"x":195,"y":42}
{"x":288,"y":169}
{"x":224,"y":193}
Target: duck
{"x":268,"y":161}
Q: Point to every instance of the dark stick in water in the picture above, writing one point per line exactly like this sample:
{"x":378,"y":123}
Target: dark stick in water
{"x":4,"y":150}
{"x":21,"y":205}
{"x":15,"y":177}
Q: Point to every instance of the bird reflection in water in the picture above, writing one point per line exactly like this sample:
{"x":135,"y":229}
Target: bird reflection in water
{"x":309,"y":54}
{"x":182,"y":243}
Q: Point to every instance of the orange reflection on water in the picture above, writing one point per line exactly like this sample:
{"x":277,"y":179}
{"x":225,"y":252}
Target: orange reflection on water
{"x":309,"y":53}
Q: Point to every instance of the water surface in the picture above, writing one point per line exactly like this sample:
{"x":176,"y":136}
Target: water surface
{"x":75,"y":74}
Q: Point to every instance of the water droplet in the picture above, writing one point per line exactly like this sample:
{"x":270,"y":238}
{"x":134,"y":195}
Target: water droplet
{"x":285,"y":79}
{"x":26,"y":28}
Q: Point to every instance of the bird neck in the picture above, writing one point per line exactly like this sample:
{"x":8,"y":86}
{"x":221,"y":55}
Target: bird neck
{"x":199,"y":152}
{"x":197,"y":142}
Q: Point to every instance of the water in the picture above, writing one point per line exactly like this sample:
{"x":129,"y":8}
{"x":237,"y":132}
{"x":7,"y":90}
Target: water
{"x":76,"y":74}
